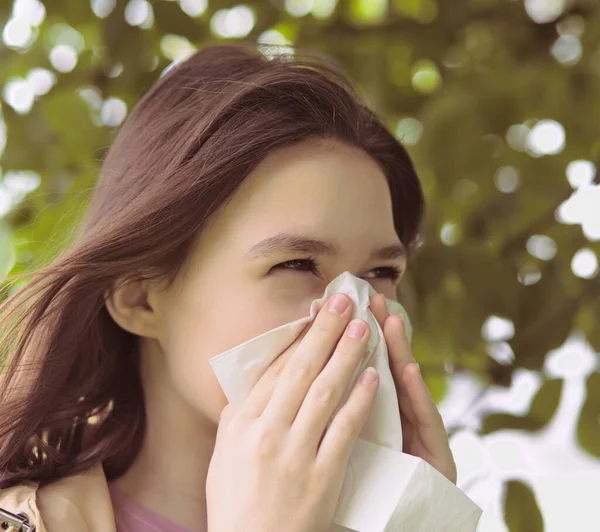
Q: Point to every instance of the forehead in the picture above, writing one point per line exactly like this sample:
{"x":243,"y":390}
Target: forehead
{"x":317,"y":183}
{"x":334,"y":195}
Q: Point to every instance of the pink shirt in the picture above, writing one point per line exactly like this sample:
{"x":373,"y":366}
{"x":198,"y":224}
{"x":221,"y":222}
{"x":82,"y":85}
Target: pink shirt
{"x":131,"y":516}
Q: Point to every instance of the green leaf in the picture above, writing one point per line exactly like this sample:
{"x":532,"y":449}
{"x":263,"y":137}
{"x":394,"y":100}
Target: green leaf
{"x":542,"y":410}
{"x":588,"y":427}
{"x":521,"y":511}
{"x":546,"y":402}
{"x":495,"y":422}
{"x":547,"y":329}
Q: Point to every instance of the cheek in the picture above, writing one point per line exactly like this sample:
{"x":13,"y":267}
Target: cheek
{"x":195,"y":333}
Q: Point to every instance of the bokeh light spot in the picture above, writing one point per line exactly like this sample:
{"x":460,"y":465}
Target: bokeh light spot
{"x":567,"y":50}
{"x":582,"y":208}
{"x":544,"y":11}
{"x":103,"y":8}
{"x":585,"y":263}
{"x":113,"y":112}
{"x":409,"y":131}
{"x":575,"y":357}
{"x":299,"y":8}
{"x":501,"y":352}
{"x":32,"y":11}
{"x":14,"y":186}
{"x":323,"y":8}
{"x":541,"y":247}
{"x":17,"y":33}
{"x":529,"y":273}
{"x":426,"y":77}
{"x":546,"y":138}
{"x":193,"y":8}
{"x":138,"y":13}
{"x":369,"y":11}
{"x":176,"y":47}
{"x":64,"y":34}
{"x":449,"y":234}
{"x":516,"y":136}
{"x":235,"y":22}
{"x":18,"y":93}
{"x":41,"y":80}
{"x":507,"y":179}
{"x":496,"y":329}
{"x":581,"y":173}
{"x":63,"y":58}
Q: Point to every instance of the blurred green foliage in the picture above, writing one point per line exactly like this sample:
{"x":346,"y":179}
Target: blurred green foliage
{"x":452,"y":78}
{"x":529,"y":519}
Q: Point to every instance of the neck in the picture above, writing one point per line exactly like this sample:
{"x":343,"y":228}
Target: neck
{"x":169,"y":474}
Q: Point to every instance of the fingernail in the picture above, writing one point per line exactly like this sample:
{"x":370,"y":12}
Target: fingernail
{"x":369,"y":376}
{"x":357,"y":329}
{"x":338,"y":303}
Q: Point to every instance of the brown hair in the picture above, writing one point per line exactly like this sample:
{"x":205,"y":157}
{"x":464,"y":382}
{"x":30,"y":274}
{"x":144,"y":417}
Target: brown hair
{"x":180,"y":155}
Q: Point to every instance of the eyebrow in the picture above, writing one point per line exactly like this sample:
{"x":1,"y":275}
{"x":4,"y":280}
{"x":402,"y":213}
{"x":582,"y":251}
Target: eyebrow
{"x":285,"y":242}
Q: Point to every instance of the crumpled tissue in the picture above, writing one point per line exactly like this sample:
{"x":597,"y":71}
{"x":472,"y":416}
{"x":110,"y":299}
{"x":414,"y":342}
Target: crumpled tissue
{"x":384,"y":490}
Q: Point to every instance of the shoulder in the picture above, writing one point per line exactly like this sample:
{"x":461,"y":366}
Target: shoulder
{"x":79,"y":502}
{"x":18,"y":504}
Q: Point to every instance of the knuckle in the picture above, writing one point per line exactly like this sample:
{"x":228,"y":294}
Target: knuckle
{"x":348,"y":421}
{"x":263,"y":443}
{"x":323,"y":392}
{"x":324,"y":325}
{"x":276,"y":368}
{"x":232,"y":428}
{"x":292,"y":467}
{"x":299,"y":370}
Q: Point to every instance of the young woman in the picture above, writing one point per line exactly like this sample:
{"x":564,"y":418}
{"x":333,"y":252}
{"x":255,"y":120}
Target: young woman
{"x":110,"y":412}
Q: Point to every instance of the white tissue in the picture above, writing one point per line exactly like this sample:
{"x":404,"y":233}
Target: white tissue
{"x":384,"y":490}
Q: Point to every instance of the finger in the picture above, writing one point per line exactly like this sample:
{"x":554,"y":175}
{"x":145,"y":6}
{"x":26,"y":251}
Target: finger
{"x":327,"y":390}
{"x":428,"y":422}
{"x":399,"y":351}
{"x":379,"y":309}
{"x":258,"y":398}
{"x":338,"y":441}
{"x":307,"y":362}
{"x":407,"y":412}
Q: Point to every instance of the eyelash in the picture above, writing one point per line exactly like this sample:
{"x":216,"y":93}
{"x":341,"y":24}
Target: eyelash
{"x":391,"y":272}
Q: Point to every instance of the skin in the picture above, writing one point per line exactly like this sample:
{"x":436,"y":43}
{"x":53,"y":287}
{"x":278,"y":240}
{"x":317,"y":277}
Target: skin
{"x":222,"y":299}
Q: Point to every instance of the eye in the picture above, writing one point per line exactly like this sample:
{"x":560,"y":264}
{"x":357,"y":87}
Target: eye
{"x":306,"y":265}
{"x":392,"y":273}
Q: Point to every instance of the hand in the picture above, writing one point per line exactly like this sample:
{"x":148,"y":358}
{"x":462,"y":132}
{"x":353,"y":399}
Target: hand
{"x":274,"y":465}
{"x":423,"y":431}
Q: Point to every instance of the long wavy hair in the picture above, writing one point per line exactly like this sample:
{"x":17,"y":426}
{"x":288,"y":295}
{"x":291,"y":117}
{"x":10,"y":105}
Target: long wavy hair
{"x":70,"y":390}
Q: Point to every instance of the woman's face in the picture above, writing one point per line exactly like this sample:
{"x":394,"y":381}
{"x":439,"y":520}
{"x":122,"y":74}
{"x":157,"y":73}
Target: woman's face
{"x":236,"y":285}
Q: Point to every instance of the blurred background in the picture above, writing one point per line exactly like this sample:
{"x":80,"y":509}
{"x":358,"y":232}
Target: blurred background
{"x":498,"y":103}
